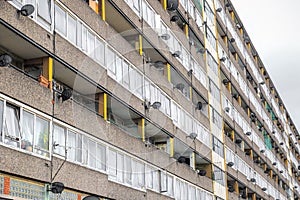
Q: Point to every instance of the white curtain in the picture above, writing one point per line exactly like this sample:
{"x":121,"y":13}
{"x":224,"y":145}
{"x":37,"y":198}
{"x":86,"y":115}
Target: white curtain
{"x":71,"y":146}
{"x":120,"y":168}
{"x":27,"y":131}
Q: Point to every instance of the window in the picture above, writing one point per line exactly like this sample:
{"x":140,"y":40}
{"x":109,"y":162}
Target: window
{"x":163,"y":181}
{"x":174,"y":112}
{"x":41,"y":139}
{"x":71,"y":146}
{"x":136,"y":82}
{"x":11,"y":125}
{"x":111,"y":61}
{"x":219,"y":176}
{"x":126,"y":81}
{"x":27,"y":131}
{"x":60,"y":20}
{"x":101,"y":157}
{"x":92,"y":147}
{"x":120,"y":168}
{"x":79,"y":34}
{"x":99,"y":51}
{"x":138,"y":175}
{"x":148,"y":14}
{"x":91,"y":44}
{"x":84,"y":38}
{"x":127,"y":170}
{"x":44,"y":10}
{"x":216,"y":118}
{"x":214,"y":90}
{"x":170,"y":191}
{"x":209,"y":13}
{"x":112,"y":164}
{"x":149,"y":177}
{"x":119,"y":70}
{"x":213,"y":65}
{"x":71,"y":29}
{"x":81,"y":148}
{"x":218,"y":147}
{"x":185,"y":59}
{"x":134,"y":4}
{"x":59,"y":140}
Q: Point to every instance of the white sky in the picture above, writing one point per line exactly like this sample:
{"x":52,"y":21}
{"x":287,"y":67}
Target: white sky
{"x":274,"y":29}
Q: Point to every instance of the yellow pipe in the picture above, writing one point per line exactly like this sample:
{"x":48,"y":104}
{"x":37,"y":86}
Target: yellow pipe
{"x":186,"y":30}
{"x":50,"y":71}
{"x":105,"y":106}
{"x":165,"y":4}
{"x":171,"y":147}
{"x":141,"y":45}
{"x":103,"y":10}
{"x":232,"y":135}
{"x":169,"y":72}
{"x":143,"y":129}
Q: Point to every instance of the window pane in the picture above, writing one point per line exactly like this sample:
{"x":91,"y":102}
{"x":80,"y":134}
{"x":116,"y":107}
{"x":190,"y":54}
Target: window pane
{"x":59,"y":138}
{"x":155,"y":180}
{"x":27,"y":131}
{"x":163,"y":181}
{"x":110,"y":61}
{"x":71,"y":29}
{"x":41,"y":139}
{"x":71,"y":146}
{"x":101,"y":157}
{"x":92,"y":153}
{"x":60,"y":20}
{"x":79,"y":34}
{"x":44,"y":10}
{"x":170,"y":186}
{"x":112,"y":163}
{"x":141,"y":174}
{"x":91,"y":44}
{"x":119,"y":69}
{"x":99,"y":51}
{"x":219,"y":175}
{"x":78,"y":148}
{"x":84,"y":38}
{"x":126,"y":74}
{"x":12,"y":128}
{"x":120,"y":168}
{"x":127,"y":170}
{"x":149,"y":177}
{"x":139,"y":84}
{"x":84,"y":150}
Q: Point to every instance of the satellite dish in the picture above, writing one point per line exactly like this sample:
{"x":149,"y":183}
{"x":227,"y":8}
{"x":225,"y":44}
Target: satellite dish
{"x":199,"y":105}
{"x":181,"y":159}
{"x":26,"y":10}
{"x":202,"y":172}
{"x":57,"y":187}
{"x":66,"y":94}
{"x":5,"y":60}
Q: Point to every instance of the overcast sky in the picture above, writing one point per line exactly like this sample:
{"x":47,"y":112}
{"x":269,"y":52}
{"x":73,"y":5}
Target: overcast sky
{"x":274,"y":29}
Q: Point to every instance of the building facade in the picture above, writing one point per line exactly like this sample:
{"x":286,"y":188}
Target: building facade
{"x":139,"y":99}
